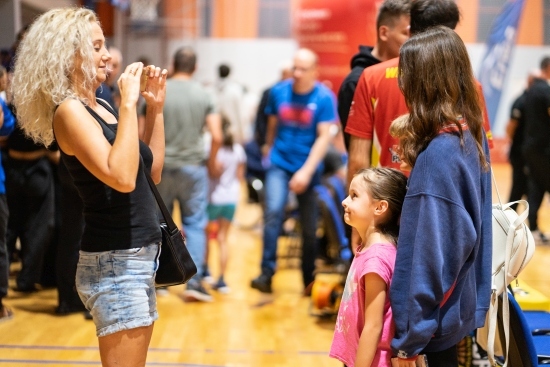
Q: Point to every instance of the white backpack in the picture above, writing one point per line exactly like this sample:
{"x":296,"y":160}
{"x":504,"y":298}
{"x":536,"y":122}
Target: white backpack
{"x":513,"y":248}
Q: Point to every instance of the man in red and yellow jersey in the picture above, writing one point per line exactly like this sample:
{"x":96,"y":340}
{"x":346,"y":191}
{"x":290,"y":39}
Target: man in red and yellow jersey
{"x":376,"y":103}
{"x":378,"y":100}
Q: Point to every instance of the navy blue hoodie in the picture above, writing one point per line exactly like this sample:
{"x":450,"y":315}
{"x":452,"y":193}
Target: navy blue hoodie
{"x":441,"y":287}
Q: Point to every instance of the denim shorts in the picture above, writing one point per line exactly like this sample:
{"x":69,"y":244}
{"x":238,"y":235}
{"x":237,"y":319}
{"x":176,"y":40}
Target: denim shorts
{"x":118,"y":287}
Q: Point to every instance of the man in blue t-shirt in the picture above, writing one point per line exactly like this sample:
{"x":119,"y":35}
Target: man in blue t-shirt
{"x":301,"y":124}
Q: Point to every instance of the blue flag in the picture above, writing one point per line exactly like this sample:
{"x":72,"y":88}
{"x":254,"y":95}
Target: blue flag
{"x":121,"y":4}
{"x":500,"y":44}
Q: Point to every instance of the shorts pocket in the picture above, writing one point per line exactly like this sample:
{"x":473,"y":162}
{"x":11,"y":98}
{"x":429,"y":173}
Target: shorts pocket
{"x":88,"y":272}
{"x":135,"y":261}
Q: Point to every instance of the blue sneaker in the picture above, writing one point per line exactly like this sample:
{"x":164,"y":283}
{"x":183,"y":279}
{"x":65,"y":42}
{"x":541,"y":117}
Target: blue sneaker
{"x":221,"y":287}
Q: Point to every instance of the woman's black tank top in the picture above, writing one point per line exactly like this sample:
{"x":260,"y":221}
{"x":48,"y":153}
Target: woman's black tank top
{"x":115,"y":220}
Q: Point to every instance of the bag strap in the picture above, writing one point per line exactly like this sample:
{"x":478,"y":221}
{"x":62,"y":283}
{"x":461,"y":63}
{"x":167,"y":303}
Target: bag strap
{"x":107,"y":106}
{"x":496,"y":187}
{"x":493,"y":306}
{"x":521,"y":217}
{"x":165,"y":213}
{"x":492,"y":320}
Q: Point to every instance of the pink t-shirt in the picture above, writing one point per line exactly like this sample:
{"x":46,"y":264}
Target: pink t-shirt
{"x":379,"y":258}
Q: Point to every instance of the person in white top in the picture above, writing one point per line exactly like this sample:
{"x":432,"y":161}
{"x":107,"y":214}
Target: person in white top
{"x":230,"y":97}
{"x":223,"y":198}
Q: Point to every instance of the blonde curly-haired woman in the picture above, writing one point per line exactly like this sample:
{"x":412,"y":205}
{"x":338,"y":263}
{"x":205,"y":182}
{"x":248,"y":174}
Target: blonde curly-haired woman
{"x":59,"y":65}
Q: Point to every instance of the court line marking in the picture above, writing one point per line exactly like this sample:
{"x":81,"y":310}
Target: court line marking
{"x":173,"y":350}
{"x":35,"y":361}
{"x":59,"y":347}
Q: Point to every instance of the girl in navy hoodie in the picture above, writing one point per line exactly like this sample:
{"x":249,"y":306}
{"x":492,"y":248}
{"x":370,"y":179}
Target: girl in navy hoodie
{"x":441,"y":285}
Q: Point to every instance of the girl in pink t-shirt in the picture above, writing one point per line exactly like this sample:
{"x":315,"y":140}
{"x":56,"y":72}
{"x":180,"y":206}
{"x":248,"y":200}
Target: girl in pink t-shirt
{"x":364,"y":327}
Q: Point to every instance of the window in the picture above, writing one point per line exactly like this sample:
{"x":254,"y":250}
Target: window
{"x":206,"y":9}
{"x":488,"y":11}
{"x":274,"y":19}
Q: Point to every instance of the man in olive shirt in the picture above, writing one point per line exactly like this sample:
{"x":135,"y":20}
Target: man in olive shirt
{"x":188,"y":109}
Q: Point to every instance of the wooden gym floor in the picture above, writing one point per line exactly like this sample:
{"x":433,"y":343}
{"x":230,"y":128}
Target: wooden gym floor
{"x":243,"y":328}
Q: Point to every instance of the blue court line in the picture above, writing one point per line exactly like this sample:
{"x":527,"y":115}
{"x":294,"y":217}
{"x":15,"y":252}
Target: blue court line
{"x":172,"y":350}
{"x":313,"y":352}
{"x":57,"y":347}
{"x":36,"y":361}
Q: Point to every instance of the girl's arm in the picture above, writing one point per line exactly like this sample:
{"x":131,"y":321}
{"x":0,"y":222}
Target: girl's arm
{"x":153,"y":131}
{"x":241,"y":170}
{"x":375,"y":298}
{"x":79,"y":134}
{"x":214,"y":126}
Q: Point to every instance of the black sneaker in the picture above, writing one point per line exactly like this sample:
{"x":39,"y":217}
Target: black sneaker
{"x":540,"y":238}
{"x":262,"y":283}
{"x":25,"y":289}
{"x":195,"y":292}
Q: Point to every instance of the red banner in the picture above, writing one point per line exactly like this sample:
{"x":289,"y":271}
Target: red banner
{"x":334,"y":30}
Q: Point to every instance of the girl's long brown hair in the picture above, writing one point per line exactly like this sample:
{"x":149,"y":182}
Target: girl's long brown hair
{"x":437,"y":81}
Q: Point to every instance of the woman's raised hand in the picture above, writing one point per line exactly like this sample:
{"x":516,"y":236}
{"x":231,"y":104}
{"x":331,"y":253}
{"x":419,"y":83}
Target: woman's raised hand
{"x":128,"y":84}
{"x":155,"y":90}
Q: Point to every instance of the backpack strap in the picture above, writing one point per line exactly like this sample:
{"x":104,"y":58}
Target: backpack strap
{"x":495,"y":184}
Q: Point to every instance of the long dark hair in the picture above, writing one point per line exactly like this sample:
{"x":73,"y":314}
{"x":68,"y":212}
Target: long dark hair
{"x":390,"y":185}
{"x":226,"y":133}
{"x":437,"y":81}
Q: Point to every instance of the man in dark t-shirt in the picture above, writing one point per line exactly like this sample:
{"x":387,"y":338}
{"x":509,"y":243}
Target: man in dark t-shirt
{"x":515,"y":130}
{"x":536,"y":145}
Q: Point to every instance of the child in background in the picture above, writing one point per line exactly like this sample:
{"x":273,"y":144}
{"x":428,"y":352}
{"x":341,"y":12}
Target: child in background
{"x":223,"y":198}
{"x":398,"y":130}
{"x":364,"y":327}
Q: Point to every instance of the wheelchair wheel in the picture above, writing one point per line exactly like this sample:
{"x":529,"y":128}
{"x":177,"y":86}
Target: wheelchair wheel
{"x":326,"y":295}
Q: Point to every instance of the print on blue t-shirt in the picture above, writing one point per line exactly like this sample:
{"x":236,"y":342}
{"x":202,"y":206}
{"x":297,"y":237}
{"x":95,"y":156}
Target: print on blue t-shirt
{"x":297,"y":115}
{"x":297,"y":118}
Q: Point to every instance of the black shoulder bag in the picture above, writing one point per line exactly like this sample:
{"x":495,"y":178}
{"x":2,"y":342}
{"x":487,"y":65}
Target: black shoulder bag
{"x":175,"y":264}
